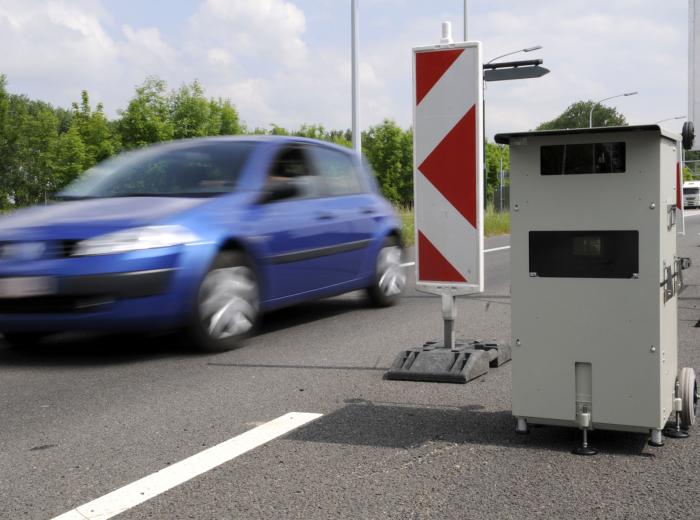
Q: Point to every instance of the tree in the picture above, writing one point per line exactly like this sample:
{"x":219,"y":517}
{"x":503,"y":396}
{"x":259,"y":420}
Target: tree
{"x":94,"y":130}
{"x":577,"y":114}
{"x":389,"y":150}
{"x":147,"y":117}
{"x":190,"y":112}
{"x":66,"y":158}
{"x":223,"y":118}
{"x":494,"y":154}
{"x":34,"y":129}
{"x":5,"y":191}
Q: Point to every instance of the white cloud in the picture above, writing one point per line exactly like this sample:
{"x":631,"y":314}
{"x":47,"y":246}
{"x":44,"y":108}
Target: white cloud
{"x":287,"y":61}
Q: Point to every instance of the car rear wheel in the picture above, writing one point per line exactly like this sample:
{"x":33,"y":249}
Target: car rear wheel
{"x":23,"y":339}
{"x":227,"y":305}
{"x":390,"y":276}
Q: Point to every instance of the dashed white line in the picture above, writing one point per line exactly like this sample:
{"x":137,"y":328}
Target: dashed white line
{"x":153,"y":485}
{"x":496,"y":249}
{"x":411,"y":264}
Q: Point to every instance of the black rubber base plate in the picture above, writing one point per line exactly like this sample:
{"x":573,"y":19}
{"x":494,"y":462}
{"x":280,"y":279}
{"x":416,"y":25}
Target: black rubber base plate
{"x":676,"y":434}
{"x":656,"y":444}
{"x":584,"y":451}
{"x":522,"y":432}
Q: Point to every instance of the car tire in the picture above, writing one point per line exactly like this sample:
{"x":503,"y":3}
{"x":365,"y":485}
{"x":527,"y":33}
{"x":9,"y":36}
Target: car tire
{"x":389,"y":277}
{"x":227,"y":304}
{"x":23,"y":339}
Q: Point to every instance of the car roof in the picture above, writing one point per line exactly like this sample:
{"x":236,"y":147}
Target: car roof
{"x":256,"y":138}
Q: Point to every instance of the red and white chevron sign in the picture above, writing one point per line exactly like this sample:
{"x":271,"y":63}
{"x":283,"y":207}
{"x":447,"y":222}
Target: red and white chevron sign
{"x":447,"y":167}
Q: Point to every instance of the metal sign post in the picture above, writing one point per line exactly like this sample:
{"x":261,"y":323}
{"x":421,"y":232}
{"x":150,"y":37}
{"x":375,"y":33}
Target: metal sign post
{"x":680,"y":203}
{"x":693,"y":67}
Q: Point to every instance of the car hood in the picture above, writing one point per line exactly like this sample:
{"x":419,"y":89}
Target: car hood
{"x":82,"y":218}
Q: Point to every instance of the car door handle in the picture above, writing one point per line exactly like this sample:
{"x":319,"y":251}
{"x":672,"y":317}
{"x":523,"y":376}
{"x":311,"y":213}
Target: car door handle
{"x":324,"y":215}
{"x":368,"y":211}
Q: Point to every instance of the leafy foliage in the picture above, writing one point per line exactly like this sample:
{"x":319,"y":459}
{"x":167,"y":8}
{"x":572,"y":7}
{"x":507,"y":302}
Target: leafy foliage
{"x":147,"y":117}
{"x":389,"y":150}
{"x":42,"y":148}
{"x":577,"y":116}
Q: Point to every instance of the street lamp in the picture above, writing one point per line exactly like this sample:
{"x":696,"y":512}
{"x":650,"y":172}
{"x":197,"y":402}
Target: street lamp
{"x":590,"y":115}
{"x":355,"y":76}
{"x":526,"y":49}
{"x":669,"y":119}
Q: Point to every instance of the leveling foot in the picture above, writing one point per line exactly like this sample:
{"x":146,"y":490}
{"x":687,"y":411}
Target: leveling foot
{"x":657,"y":439}
{"x":675,"y":431}
{"x":521,"y":428}
{"x":584,"y":449}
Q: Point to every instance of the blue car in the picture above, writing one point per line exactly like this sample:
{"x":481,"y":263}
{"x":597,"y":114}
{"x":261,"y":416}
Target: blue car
{"x":199,"y":235}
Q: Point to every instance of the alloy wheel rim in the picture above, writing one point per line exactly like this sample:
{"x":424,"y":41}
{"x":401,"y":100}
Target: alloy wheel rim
{"x":392,"y":276}
{"x":228,"y":302}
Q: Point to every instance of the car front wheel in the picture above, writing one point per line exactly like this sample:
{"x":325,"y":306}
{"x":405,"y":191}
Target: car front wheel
{"x":390,"y":275}
{"x":227,"y":305}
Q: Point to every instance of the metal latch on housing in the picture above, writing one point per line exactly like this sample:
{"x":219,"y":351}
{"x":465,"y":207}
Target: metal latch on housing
{"x":672,"y":283}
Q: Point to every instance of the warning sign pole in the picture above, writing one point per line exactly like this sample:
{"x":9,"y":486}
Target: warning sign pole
{"x":448,"y":172}
{"x":448,"y":206}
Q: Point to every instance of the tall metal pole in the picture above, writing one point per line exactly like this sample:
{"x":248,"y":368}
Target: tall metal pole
{"x":590,"y":114}
{"x":465,"y":20}
{"x":356,"y":134}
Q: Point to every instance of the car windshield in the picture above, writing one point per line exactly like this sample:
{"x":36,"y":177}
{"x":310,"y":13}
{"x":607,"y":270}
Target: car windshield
{"x":691,"y":191}
{"x":204,"y":169}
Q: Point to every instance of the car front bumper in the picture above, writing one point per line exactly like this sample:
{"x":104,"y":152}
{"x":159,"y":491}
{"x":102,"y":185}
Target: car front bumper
{"x":141,"y":291}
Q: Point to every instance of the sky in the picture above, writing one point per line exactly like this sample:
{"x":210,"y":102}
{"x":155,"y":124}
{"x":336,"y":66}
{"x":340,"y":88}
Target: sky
{"x":287,"y":62}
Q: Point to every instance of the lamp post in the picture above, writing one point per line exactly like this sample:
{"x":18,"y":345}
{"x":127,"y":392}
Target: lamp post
{"x":590,"y":115}
{"x":464,"y":19}
{"x":669,"y":119}
{"x":526,"y":49}
{"x":355,"y":45}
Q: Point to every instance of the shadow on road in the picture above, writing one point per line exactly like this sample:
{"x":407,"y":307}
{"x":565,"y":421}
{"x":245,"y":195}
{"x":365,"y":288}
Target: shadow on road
{"x":404,"y":426}
{"x":306,"y":313}
{"x":92,"y":349}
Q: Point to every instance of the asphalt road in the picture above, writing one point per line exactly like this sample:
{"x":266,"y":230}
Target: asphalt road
{"x":81,"y":417}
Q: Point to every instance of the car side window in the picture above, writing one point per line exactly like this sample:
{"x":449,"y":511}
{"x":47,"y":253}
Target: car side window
{"x":292,"y":164}
{"x":337,"y":171}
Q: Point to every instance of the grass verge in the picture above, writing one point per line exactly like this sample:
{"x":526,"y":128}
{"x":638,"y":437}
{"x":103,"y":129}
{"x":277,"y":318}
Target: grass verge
{"x":495,"y":223}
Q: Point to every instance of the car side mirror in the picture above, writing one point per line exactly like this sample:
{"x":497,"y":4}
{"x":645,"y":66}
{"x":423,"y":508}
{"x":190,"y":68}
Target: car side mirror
{"x":279,"y":190}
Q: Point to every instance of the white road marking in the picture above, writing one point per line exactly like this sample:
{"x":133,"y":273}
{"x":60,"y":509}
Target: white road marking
{"x":496,"y":249}
{"x":153,"y":485}
{"x":411,"y":264}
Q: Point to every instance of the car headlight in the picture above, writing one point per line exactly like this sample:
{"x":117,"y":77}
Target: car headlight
{"x":135,"y":239}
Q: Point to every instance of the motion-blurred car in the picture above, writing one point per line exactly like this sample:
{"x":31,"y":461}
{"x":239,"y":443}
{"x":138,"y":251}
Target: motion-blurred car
{"x":200,"y":235}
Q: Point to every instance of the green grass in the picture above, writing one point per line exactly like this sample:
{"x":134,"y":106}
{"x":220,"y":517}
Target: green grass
{"x":494,"y":223}
{"x":407,"y":225}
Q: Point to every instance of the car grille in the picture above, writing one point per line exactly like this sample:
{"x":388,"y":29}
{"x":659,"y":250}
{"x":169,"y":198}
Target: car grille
{"x":54,"y":304}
